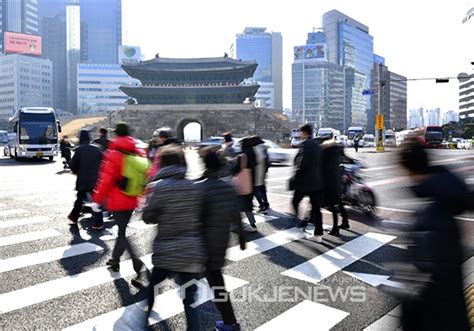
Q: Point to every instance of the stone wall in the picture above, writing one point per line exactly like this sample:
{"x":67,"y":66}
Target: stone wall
{"x":241,"y":119}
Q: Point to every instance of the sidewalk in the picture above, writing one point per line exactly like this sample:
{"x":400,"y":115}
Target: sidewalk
{"x":392,"y":320}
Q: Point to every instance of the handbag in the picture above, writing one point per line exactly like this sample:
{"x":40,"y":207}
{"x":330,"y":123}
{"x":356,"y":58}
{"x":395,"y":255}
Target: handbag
{"x":243,"y":180}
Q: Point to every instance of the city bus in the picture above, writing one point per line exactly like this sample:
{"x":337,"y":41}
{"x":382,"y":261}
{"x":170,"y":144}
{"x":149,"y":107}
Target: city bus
{"x":352,"y":132}
{"x":390,"y":138}
{"x":35,"y":133}
{"x":430,"y":136}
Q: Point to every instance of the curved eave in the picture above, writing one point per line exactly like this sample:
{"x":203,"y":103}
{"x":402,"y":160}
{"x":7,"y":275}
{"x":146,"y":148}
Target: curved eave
{"x":140,"y":90}
{"x":136,"y":71}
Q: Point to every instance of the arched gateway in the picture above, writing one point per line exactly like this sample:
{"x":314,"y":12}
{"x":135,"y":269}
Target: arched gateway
{"x":209,"y":91}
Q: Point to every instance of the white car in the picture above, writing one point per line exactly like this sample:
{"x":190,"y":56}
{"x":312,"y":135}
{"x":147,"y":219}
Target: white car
{"x":276,"y":154}
{"x":464,"y":144}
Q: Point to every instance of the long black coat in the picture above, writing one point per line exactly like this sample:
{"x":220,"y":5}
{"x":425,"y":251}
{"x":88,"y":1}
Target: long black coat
{"x":307,"y":177}
{"x":438,"y":253}
{"x":221,"y":213}
{"x":331,"y":172}
{"x":85,"y":164}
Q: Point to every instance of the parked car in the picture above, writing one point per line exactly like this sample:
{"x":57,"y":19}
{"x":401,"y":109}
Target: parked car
{"x":212,"y":141}
{"x":278,"y":155}
{"x":464,"y":144}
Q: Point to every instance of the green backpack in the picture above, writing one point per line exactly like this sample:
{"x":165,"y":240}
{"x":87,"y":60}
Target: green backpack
{"x":134,"y":173}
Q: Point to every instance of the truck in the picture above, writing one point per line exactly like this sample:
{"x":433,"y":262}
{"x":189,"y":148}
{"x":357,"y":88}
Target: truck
{"x":35,"y":133}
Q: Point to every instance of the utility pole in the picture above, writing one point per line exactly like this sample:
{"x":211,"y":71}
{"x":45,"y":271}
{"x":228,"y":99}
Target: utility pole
{"x":379,"y":120}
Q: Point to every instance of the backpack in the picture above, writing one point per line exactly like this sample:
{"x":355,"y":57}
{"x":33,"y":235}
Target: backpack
{"x":134,"y":173}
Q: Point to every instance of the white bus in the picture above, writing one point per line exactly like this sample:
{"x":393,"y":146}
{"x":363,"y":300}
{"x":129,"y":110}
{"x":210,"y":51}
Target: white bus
{"x":35,"y":133}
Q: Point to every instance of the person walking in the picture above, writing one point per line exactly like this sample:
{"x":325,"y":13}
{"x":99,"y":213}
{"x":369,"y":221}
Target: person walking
{"x":332,"y":176}
{"x":221,"y":213}
{"x":176,"y":205}
{"x":102,"y":141}
{"x":85,"y":164}
{"x":307,"y":180}
{"x":228,"y":152}
{"x":437,"y":253}
{"x":356,"y":142}
{"x":109,"y":193}
{"x":65,"y":147}
{"x":165,"y":138}
{"x":247,"y":160}
{"x":261,"y":170}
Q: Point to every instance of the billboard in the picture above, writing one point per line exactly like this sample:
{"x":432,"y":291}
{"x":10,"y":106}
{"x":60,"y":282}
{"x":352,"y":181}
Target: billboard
{"x":129,"y":55}
{"x":310,"y":52}
{"x":21,"y":43}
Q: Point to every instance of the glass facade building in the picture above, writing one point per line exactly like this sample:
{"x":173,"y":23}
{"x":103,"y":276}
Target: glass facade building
{"x":255,"y":44}
{"x":350,"y":45}
{"x":18,"y":16}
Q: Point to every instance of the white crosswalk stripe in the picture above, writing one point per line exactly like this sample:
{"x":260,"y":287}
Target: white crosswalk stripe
{"x":10,"y":212}
{"x":27,"y":237}
{"x":24,"y":221}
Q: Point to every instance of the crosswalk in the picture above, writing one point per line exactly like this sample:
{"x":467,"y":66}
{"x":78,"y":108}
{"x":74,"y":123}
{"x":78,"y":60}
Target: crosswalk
{"x":32,"y":241}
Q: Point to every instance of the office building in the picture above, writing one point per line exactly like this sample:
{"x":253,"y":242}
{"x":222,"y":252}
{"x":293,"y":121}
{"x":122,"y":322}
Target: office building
{"x":73,"y":52}
{"x":393,"y":97}
{"x":101,"y":23}
{"x":466,"y":95}
{"x":25,"y":81}
{"x":350,"y":45}
{"x":450,"y":116}
{"x":256,"y":44}
{"x":417,"y":118}
{"x":433,"y":117}
{"x":98,"y":87}
{"x":18,"y":16}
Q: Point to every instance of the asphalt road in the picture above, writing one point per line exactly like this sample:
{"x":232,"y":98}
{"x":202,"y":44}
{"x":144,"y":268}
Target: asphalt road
{"x":53,"y":276}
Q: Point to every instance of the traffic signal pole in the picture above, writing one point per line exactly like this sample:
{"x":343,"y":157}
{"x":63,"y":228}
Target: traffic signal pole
{"x":379,"y":121}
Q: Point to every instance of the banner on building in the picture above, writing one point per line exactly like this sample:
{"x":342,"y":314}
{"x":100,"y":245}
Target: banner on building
{"x":310,"y":52}
{"x":129,"y":55}
{"x":21,"y":43}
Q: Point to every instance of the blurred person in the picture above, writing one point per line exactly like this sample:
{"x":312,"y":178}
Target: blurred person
{"x":307,"y":180}
{"x":221,"y":213}
{"x":439,"y":304}
{"x":356,"y":142}
{"x":102,"y":141}
{"x":332,"y":176}
{"x":165,"y":138}
{"x":65,"y":147}
{"x":109,"y":193}
{"x":85,"y":164}
{"x":261,"y":169}
{"x":176,"y":205}
{"x":247,"y":160}
{"x":228,"y":152}
{"x":153,"y":145}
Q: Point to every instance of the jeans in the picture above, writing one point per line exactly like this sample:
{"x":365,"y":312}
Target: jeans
{"x":222,"y":299}
{"x":82,"y":196}
{"x":251,"y":218}
{"x":122,"y":244}
{"x":261,"y":195}
{"x":316,"y":216}
{"x":192,"y":315}
{"x":342,"y":211}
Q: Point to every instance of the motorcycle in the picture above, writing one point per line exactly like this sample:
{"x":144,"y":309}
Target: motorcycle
{"x":354,"y":192}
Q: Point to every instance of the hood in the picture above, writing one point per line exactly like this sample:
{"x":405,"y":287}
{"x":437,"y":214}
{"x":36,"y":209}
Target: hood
{"x":84,"y":137}
{"x":170,"y":141}
{"x":124,"y":144}
{"x":174,"y":171}
{"x":444,"y":187}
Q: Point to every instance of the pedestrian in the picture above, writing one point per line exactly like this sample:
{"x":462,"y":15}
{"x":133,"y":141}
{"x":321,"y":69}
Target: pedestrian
{"x":245,"y":164}
{"x":307,"y":180}
{"x":356,"y":141}
{"x":221,"y":214}
{"x":261,"y":170}
{"x":176,"y":205}
{"x":165,"y":138}
{"x":102,"y":141}
{"x":228,"y":152}
{"x":65,"y":147}
{"x":153,"y":145}
{"x":85,"y":164}
{"x":332,"y":176}
{"x":110,"y":193}
{"x":437,"y":253}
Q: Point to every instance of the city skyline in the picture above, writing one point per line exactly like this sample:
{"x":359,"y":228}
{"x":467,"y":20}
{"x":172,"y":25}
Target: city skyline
{"x":433,"y":49}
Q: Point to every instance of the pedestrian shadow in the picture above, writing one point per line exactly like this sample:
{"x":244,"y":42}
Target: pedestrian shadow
{"x":64,"y":171}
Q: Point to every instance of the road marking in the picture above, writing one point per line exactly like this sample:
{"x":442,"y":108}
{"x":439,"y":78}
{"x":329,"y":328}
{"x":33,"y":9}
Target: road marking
{"x":259,"y":219}
{"x":264,"y":244}
{"x":26,"y":237}
{"x":302,"y":318}
{"x":277,"y":179}
{"x":387,"y":181}
{"x":47,"y":256}
{"x":54,"y":195}
{"x":395,"y":209}
{"x":53,"y":202}
{"x":324,"y":265}
{"x":401,"y":246}
{"x":11,"y":212}
{"x":167,"y":304}
{"x":2,"y":205}
{"x":24,"y":221}
{"x":379,"y":168}
{"x":374,"y":280}
{"x":63,"y":286}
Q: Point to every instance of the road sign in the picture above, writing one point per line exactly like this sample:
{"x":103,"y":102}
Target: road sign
{"x":368,"y":92}
{"x":379,"y":122}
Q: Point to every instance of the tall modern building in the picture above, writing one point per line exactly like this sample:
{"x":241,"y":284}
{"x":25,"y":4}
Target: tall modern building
{"x":433,"y":117}
{"x":73,"y":51}
{"x":350,"y":45}
{"x":466,"y":95}
{"x":101,"y":30}
{"x":393,"y":96}
{"x":417,"y":118}
{"x":450,"y":116}
{"x":25,"y":81}
{"x":18,"y":16}
{"x":256,"y":44}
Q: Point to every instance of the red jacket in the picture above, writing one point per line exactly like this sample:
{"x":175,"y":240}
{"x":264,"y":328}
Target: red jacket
{"x":107,"y":192}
